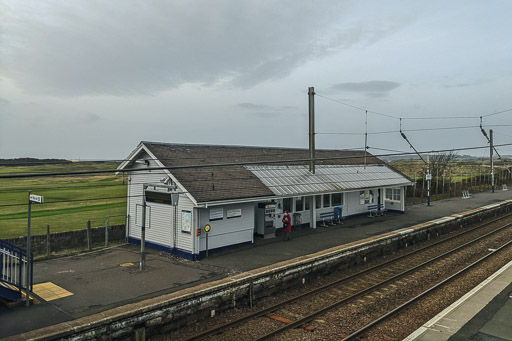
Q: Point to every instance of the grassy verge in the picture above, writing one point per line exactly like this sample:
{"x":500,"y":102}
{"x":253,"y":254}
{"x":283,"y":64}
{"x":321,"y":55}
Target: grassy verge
{"x":68,"y":205}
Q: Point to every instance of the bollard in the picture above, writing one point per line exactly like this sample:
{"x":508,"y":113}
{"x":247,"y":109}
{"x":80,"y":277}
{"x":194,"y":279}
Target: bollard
{"x":89,"y":237}
{"x":47,"y":241}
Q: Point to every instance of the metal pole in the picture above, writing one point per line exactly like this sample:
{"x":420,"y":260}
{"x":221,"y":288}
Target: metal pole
{"x":311,"y":95}
{"x":206,"y":244}
{"x":313,"y":211}
{"x":27,"y":264}
{"x":428,"y":180}
{"x":492,"y":161}
{"x":143,"y":232}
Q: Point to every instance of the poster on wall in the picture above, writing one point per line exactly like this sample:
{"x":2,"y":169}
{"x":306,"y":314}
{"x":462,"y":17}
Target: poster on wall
{"x":216,"y":214}
{"x":234,"y":213}
{"x":186,"y":221}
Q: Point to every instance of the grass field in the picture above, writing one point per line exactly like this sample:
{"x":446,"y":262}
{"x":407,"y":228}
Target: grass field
{"x":66,"y":206}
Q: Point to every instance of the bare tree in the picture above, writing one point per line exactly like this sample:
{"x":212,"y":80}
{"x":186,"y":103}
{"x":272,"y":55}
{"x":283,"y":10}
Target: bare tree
{"x":439,"y":163}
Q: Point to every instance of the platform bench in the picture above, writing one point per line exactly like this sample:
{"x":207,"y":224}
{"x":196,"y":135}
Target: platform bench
{"x":327,"y":216}
{"x":375,"y":210}
{"x":466,"y":194}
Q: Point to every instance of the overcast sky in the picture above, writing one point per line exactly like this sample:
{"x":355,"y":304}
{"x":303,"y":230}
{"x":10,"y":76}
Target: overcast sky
{"x":91,"y":79}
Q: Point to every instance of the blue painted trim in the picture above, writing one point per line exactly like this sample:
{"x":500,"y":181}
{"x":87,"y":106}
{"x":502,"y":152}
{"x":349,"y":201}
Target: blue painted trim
{"x":183,"y":253}
{"x":202,"y":254}
{"x":165,"y":248}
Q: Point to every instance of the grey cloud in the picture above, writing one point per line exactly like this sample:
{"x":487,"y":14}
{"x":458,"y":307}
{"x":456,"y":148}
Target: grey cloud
{"x":374,"y":88}
{"x":465,"y":85}
{"x":106,"y":47}
{"x":91,"y":117}
{"x":252,"y":106}
{"x":3,"y":101}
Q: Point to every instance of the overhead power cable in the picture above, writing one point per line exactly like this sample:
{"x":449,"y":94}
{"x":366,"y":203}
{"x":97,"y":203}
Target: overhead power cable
{"x":356,"y":107}
{"x":249,"y":163}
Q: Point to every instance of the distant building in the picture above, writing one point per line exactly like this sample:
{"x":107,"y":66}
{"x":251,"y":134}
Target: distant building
{"x":240,"y":202}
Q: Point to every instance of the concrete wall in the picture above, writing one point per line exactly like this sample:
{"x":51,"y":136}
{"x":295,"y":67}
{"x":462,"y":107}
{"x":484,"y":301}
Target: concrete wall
{"x":162,"y":314}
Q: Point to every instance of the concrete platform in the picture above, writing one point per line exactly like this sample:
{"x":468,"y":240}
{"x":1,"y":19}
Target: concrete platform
{"x":107,"y":279}
{"x":484,"y":313}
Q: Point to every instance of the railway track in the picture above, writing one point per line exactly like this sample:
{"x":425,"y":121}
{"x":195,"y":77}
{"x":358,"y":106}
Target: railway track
{"x":361,"y":291}
{"x":367,"y":329}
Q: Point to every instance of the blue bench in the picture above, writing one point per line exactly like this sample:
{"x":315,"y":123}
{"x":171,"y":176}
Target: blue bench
{"x":329,"y":216}
{"x":375,"y":210}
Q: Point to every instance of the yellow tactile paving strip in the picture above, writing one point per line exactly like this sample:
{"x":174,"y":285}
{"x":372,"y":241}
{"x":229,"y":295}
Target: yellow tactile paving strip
{"x":49,"y":291}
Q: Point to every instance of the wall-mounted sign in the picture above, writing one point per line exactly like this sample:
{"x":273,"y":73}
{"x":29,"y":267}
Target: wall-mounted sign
{"x":36,"y":199}
{"x":234,"y":213}
{"x":186,"y":221}
{"x":216,"y":214}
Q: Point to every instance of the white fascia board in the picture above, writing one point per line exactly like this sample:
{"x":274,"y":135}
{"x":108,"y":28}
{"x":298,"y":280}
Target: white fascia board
{"x":130,"y":158}
{"x":245,"y":200}
{"x":160,"y":164}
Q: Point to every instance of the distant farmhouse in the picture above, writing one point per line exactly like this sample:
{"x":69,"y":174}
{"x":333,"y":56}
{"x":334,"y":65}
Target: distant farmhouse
{"x":247,"y":197}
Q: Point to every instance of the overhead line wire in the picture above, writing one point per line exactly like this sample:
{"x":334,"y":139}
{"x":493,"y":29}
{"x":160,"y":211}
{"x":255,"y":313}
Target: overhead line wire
{"x":249,"y":163}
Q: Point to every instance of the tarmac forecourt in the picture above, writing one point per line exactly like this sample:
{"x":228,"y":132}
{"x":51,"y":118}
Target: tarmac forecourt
{"x":73,"y":287}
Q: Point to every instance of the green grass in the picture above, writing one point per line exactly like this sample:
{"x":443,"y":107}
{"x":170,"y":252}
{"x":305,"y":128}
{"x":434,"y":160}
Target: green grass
{"x":66,"y":204}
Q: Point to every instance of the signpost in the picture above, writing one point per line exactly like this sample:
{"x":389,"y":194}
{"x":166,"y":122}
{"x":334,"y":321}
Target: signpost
{"x":32,"y":199}
{"x":207,"y":229}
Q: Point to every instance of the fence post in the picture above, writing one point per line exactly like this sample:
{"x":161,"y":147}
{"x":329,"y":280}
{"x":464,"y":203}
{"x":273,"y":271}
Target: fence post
{"x":106,"y":231}
{"x":89,"y":237}
{"x":414,"y":189}
{"x":450,"y":187}
{"x":47,"y":241}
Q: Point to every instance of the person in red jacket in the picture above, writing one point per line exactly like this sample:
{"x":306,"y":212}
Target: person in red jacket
{"x":287,"y":226}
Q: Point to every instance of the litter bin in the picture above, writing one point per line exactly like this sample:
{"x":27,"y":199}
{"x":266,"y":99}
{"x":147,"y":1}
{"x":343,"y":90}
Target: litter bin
{"x":338,"y":213}
{"x":297,"y":219}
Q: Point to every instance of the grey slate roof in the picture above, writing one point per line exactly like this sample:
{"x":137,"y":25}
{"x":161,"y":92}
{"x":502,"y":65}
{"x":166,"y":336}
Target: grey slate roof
{"x":236,"y":182}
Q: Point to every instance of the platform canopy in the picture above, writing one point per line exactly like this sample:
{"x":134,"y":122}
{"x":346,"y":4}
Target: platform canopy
{"x":297,"y":180}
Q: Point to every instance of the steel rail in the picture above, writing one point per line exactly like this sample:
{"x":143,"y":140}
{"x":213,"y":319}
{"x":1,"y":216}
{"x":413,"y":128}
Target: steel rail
{"x":324,"y":310}
{"x":264,"y":311}
{"x":425,"y":293}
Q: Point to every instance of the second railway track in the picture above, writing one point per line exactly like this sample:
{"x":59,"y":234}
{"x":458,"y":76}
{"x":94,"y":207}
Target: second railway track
{"x":350,"y":301}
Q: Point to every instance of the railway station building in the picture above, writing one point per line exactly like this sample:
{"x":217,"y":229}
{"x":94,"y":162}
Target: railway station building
{"x":241,"y":192}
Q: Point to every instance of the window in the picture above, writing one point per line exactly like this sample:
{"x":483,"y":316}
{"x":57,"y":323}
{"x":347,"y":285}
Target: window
{"x":337,"y":199}
{"x":393,"y":194}
{"x":318,"y":201}
{"x":327,"y":200}
{"x":287,"y":204}
{"x":366,"y":197}
{"x":299,"y":204}
{"x":308,"y":203}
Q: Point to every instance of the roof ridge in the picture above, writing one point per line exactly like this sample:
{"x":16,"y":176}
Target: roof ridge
{"x":243,"y":146}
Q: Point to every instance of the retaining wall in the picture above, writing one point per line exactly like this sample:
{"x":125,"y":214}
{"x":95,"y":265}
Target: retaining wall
{"x":61,"y":241}
{"x":161,"y":314}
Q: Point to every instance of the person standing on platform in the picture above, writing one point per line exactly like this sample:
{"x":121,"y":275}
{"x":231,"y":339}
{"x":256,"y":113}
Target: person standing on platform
{"x":287,"y":226}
